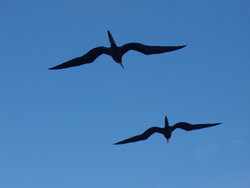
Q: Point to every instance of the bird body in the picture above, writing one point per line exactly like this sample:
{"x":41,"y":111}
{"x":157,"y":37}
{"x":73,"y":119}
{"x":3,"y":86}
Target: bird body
{"x":166,"y":131}
{"x":115,"y":52}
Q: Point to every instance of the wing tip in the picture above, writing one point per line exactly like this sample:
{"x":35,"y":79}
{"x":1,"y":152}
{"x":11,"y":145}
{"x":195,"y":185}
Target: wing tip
{"x":217,"y":123}
{"x":56,"y":67}
{"x":183,"y":46}
{"x":52,"y":68}
{"x":61,"y":66}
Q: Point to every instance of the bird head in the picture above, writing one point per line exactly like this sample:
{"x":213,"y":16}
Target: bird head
{"x":118,"y":59}
{"x":168,"y":135}
{"x":121,"y":64}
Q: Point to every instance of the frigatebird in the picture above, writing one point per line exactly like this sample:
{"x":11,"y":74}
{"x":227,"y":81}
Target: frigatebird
{"x":166,"y":131}
{"x":116,"y":52}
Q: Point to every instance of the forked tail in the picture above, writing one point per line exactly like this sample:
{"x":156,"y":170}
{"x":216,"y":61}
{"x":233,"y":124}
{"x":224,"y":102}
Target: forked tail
{"x":166,"y":122}
{"x":111,"y":39}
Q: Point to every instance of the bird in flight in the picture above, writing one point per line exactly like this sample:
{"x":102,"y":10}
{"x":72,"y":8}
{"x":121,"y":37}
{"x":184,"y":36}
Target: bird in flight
{"x":166,"y":131}
{"x":116,"y":52}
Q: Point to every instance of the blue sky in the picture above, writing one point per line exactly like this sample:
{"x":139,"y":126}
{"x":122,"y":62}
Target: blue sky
{"x":57,"y":127}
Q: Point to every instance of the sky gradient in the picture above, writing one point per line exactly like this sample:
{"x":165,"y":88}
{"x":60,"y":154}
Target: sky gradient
{"x":57,"y":128}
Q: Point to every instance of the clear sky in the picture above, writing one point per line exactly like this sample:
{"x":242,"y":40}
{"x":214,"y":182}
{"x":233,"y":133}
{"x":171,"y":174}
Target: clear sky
{"x":57,"y":128}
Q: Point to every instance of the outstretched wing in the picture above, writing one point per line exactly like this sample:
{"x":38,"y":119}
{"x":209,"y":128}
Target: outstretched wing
{"x":147,"y":50}
{"x":87,"y":58}
{"x":190,"y":127}
{"x":142,"y":136}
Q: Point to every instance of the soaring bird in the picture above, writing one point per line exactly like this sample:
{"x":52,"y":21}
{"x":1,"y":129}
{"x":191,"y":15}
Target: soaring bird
{"x":166,"y":131}
{"x":116,"y":52}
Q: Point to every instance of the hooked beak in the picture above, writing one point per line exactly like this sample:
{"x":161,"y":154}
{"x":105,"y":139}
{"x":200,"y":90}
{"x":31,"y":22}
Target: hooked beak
{"x":168,"y":140}
{"x":121,"y":64}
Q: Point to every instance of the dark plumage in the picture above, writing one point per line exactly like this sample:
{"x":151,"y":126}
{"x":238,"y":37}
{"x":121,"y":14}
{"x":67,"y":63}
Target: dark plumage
{"x":166,"y":131}
{"x":115,"y":52}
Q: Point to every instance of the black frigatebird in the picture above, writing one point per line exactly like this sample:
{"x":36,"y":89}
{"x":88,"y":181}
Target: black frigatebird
{"x":166,"y":131}
{"x":115,"y":52}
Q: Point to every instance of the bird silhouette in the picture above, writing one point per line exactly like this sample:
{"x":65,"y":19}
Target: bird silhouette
{"x":115,"y":52}
{"x":166,"y":131}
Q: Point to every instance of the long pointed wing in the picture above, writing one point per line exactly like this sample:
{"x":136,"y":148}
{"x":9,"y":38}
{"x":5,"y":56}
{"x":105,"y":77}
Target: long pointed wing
{"x":87,"y":58}
{"x":190,"y":127}
{"x":142,"y":136}
{"x":147,"y":50}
